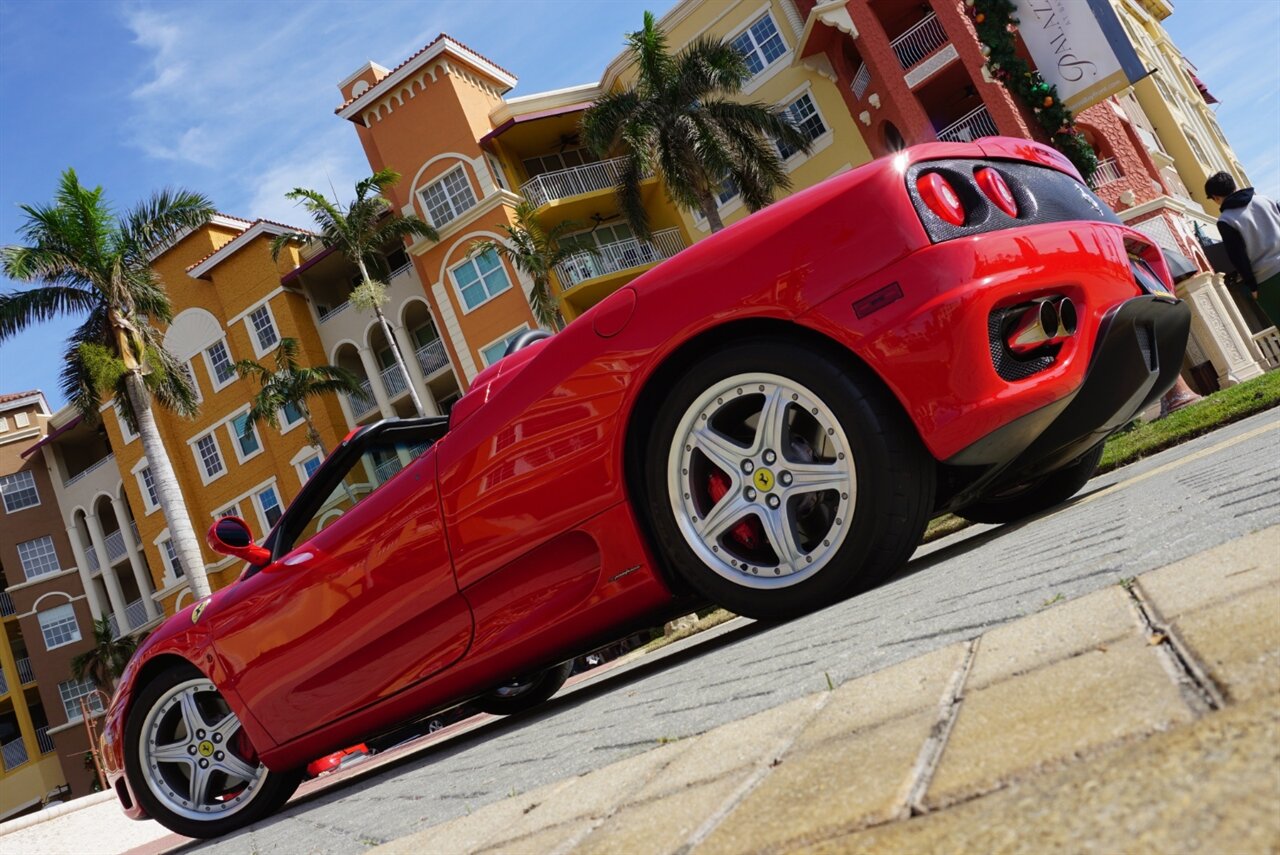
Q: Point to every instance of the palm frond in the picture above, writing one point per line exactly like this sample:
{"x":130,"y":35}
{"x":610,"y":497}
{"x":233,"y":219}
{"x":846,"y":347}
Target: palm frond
{"x":162,"y":218}
{"x":21,"y":309}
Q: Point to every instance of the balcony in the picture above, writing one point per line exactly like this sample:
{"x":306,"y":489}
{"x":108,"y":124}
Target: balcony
{"x":917,"y":43}
{"x":384,"y":470}
{"x":574,"y":181}
{"x":364,"y":402}
{"x":618,"y":256}
{"x":861,"y":81}
{"x":432,"y":357}
{"x":1107,"y":172}
{"x":331,"y":312}
{"x":971,"y":126}
{"x":15,"y":754}
{"x":25,"y":672}
{"x":394,"y":381}
{"x":110,"y":458}
{"x":135,"y":614}
{"x":4,"y":683}
{"x":44,"y":740}
{"x":6,"y":605}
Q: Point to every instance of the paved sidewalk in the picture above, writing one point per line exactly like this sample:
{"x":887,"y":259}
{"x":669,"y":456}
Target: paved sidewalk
{"x":1144,"y":716}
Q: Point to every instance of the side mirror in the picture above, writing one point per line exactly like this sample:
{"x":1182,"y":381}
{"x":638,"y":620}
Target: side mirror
{"x":231,"y":536}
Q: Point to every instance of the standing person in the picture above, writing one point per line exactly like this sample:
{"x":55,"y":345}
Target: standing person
{"x":1250,"y":227}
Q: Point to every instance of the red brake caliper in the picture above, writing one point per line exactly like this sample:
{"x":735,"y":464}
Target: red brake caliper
{"x":748,"y":533}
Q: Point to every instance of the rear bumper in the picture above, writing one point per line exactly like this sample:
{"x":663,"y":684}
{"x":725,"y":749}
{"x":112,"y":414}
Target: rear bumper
{"x":1135,"y":360}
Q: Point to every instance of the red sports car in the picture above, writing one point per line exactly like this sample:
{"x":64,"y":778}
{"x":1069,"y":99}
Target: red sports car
{"x":766,"y":422}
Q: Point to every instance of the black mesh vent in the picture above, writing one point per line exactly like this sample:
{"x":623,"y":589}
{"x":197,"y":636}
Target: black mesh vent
{"x":1146,"y":343}
{"x":1044,"y":196}
{"x":1009,"y":366}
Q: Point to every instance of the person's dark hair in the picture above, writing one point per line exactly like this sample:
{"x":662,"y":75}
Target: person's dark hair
{"x":1220,"y":184}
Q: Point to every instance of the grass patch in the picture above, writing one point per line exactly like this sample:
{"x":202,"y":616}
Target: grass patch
{"x":1142,"y":439}
{"x":1214,"y":411}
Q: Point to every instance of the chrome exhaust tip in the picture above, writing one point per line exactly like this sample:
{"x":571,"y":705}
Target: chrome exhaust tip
{"x":1067,"y":318}
{"x":1035,"y":327}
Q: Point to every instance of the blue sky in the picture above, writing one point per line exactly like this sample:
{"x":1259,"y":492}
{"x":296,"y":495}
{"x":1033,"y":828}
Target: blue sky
{"x":236,"y":99}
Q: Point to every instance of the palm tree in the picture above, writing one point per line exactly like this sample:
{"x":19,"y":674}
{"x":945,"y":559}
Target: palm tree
{"x":105,"y":661}
{"x":291,"y":384}
{"x":674,"y":120}
{"x":94,"y":263}
{"x":360,"y":233}
{"x":534,"y":251}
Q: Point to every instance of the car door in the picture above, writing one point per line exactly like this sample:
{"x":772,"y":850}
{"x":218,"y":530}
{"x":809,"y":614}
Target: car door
{"x":360,"y":602}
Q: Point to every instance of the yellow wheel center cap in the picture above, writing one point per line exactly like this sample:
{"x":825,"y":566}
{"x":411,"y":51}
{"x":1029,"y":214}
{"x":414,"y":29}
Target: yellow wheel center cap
{"x":205,"y":748}
{"x":763,"y":480}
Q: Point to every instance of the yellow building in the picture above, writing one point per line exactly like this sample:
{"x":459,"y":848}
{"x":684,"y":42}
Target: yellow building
{"x":29,"y":770}
{"x":1187,"y":143}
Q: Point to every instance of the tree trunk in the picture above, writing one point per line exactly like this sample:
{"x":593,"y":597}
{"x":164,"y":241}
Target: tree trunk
{"x":395,"y":352}
{"x":313,"y":435}
{"x":168,"y":492}
{"x":711,"y":211}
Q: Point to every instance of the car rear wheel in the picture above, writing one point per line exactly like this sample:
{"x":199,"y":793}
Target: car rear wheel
{"x":778,"y":482}
{"x":1035,"y":496}
{"x":190,"y":763}
{"x":525,"y":693}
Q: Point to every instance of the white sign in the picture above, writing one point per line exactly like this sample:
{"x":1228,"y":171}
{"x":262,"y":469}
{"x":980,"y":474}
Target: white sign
{"x":1080,"y":47}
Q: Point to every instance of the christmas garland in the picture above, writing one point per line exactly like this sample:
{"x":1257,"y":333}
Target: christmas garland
{"x":995,"y":22}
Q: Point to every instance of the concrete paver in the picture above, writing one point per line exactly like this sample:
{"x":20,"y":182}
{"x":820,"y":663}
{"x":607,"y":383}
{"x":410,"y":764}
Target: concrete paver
{"x":1238,"y":643}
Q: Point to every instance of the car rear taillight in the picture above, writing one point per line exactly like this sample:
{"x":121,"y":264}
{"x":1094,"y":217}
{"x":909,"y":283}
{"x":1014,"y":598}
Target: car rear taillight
{"x":997,"y":190}
{"x":941,"y":198}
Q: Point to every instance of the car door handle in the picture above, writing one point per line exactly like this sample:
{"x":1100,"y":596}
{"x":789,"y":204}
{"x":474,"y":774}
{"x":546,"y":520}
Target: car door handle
{"x":298,"y":558}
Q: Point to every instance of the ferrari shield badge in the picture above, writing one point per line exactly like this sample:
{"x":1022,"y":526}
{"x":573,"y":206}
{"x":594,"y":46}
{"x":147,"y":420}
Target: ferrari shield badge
{"x":198,"y":610}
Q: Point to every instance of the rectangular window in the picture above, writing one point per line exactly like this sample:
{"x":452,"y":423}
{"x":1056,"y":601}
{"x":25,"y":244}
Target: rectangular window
{"x":760,"y":44}
{"x":4,"y":424}
{"x":309,"y":466}
{"x":269,"y":504}
{"x":171,"y":558}
{"x":804,"y":115}
{"x":494,"y":352}
{"x":38,"y":557}
{"x":72,"y":691}
{"x":480,"y":279}
{"x":148,"y":482}
{"x":290,"y":416}
{"x":229,"y":511}
{"x":21,"y":420}
{"x":59,"y":626}
{"x":559,"y":160}
{"x":19,"y":491}
{"x":220,"y":366}
{"x":209,"y":455}
{"x":397,"y":260}
{"x":448,"y":197}
{"x":245,"y":436}
{"x":264,"y":328}
{"x":128,"y":434}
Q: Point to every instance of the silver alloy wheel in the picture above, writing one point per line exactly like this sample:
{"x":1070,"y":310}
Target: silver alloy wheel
{"x":777,"y":453}
{"x":188,"y":756}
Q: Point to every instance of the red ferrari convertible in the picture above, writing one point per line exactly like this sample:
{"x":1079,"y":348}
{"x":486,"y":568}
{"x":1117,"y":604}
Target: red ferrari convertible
{"x":765,"y":422}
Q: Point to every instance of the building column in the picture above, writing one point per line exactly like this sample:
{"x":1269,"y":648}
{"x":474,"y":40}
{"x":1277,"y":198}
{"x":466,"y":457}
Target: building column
{"x":114,"y":594}
{"x":416,"y":377}
{"x":1217,"y":333}
{"x":374,"y":374}
{"x":141,"y":573}
{"x":82,"y":565}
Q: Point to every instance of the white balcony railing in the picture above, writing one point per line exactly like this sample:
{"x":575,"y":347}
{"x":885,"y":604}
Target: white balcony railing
{"x":563,"y":183}
{"x":364,"y":402}
{"x":110,"y":458}
{"x":861,"y":81}
{"x":136,"y":613}
{"x":404,"y":268}
{"x":971,"y":126}
{"x":114,"y":623}
{"x":331,"y":311}
{"x":91,"y":558}
{"x":15,"y":753}
{"x":387,"y":468}
{"x":115,"y":547}
{"x":913,"y":46}
{"x":44,"y":740}
{"x":1268,"y":342}
{"x":393,"y":380}
{"x":432,"y":357}
{"x":620,"y":255}
{"x":25,"y":672}
{"x":1108,"y":171}
{"x":6,"y":605}
{"x":4,"y":683}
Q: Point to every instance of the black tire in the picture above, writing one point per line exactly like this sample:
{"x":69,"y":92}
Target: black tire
{"x":1039,"y":495}
{"x":267,"y":794}
{"x":522,"y":695}
{"x":894,"y":479}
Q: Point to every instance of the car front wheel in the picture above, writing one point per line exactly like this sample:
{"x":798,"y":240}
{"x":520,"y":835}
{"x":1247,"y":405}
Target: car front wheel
{"x":780,"y":482}
{"x":190,"y":763}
